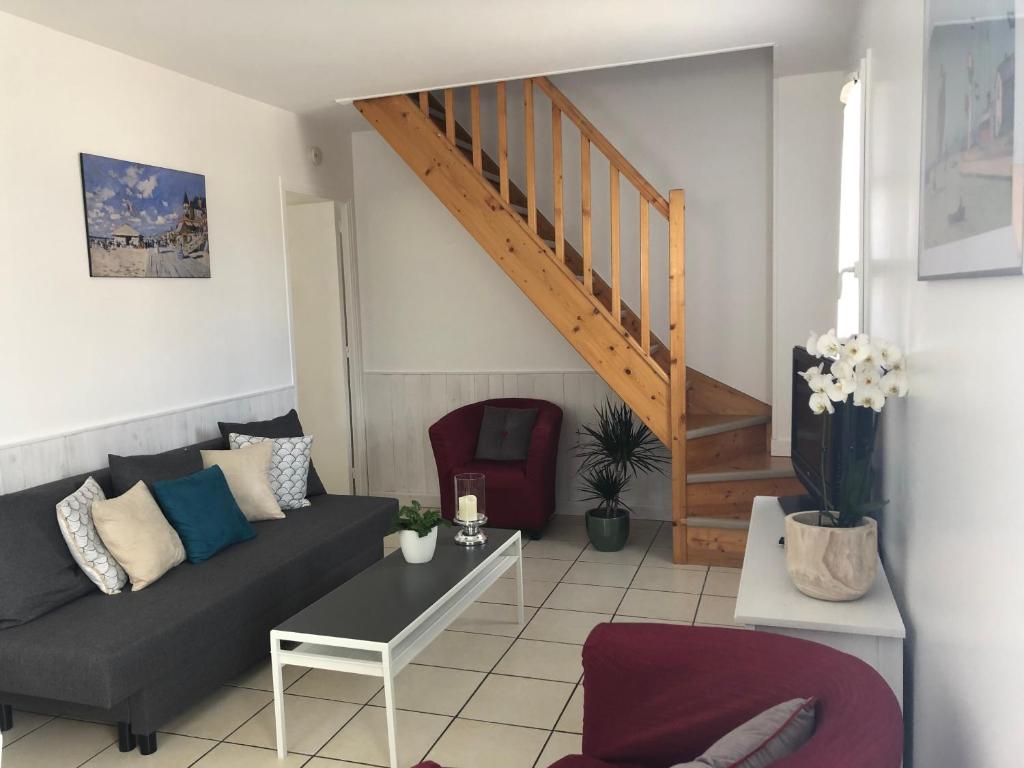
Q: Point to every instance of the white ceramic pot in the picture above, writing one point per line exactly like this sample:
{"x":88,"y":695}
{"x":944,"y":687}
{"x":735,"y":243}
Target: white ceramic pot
{"x":837,"y":564}
{"x":416,"y":548}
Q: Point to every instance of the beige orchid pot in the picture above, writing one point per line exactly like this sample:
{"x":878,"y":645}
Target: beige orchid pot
{"x":829,"y":563}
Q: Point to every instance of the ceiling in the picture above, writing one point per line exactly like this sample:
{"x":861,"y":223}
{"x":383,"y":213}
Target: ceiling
{"x":303,"y":55}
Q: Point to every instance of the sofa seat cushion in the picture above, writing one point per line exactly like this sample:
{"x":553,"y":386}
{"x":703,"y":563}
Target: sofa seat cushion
{"x":100,"y":649}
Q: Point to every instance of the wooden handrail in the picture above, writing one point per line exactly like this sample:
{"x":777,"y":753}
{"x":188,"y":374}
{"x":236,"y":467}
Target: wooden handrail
{"x":587,"y":129}
{"x":425,"y":102}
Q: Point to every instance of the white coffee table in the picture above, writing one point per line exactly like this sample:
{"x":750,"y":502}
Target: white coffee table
{"x":379,"y":620}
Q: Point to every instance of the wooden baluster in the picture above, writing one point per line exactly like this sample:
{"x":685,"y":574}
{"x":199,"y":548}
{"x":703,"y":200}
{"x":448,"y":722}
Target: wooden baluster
{"x":588,"y":273}
{"x":645,"y":276}
{"x":425,"y":102}
{"x":502,"y":142}
{"x":531,"y":179}
{"x":474,"y":109}
{"x":449,"y":114}
{"x":613,"y":203}
{"x":677,"y":368}
{"x":556,"y":173}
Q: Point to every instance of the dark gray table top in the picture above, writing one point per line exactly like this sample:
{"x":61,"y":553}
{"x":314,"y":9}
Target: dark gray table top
{"x":378,"y":603}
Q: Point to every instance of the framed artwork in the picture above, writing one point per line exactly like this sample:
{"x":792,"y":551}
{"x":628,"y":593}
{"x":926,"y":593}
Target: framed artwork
{"x":144,"y":221}
{"x":972,"y":205}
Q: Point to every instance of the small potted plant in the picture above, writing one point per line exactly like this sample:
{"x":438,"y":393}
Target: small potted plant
{"x":617,"y":449}
{"x":417,"y":526}
{"x":832,"y":553}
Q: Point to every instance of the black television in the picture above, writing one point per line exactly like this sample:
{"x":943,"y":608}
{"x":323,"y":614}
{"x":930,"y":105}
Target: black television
{"x":814,"y":463}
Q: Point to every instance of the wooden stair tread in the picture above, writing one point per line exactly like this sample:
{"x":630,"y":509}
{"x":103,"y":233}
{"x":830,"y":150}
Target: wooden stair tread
{"x":727,"y":523}
{"x":705,"y":425}
{"x":755,"y":467}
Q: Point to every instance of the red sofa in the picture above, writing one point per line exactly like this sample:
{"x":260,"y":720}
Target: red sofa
{"x":520,"y":494}
{"x":657,"y":694}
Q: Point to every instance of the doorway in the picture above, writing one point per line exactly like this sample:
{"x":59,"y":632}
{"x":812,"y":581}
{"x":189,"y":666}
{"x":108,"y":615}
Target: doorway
{"x":322,"y":344}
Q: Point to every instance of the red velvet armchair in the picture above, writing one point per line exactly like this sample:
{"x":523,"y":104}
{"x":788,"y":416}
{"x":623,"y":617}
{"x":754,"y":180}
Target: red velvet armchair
{"x":520,"y":494}
{"x":656,"y":695}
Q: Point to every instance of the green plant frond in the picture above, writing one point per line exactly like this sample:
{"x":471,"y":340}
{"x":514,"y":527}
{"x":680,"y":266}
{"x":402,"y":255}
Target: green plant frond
{"x":619,"y":440}
{"x":416,"y":517}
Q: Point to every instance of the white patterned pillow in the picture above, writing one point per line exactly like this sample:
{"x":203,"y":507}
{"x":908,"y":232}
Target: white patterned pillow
{"x":289,"y":466}
{"x":74,"y":516}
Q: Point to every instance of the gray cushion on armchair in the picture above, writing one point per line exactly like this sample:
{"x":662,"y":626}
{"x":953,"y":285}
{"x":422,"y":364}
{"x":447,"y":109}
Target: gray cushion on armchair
{"x":505,"y":433}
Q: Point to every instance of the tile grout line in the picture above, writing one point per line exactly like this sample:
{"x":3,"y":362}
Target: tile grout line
{"x":526,"y":623}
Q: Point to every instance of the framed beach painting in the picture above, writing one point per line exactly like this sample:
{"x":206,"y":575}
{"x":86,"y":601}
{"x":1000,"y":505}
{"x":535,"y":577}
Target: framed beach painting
{"x":972,"y":206}
{"x":143,"y":220}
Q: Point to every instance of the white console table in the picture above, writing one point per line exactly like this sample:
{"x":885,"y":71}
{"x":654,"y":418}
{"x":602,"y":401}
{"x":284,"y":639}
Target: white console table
{"x":870,"y":628}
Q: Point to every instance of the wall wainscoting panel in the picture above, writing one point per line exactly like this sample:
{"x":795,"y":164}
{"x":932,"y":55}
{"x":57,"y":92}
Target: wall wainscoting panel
{"x":400,"y":407}
{"x":32,"y":463}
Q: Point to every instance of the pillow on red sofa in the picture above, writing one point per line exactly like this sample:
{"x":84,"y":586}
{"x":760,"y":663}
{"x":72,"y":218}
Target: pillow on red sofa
{"x":505,"y":433}
{"x":763,"y":739}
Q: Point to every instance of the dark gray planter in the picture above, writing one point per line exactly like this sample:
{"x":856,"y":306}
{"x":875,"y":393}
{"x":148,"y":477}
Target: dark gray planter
{"x":608,"y":534}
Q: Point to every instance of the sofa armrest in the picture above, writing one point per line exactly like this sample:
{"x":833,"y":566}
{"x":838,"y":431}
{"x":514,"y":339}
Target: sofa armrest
{"x":656,"y":695}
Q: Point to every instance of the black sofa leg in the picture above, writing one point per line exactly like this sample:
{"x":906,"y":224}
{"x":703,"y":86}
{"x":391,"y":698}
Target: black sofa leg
{"x":125,"y":737}
{"x":147,"y":743}
{"x":536,"y":535}
{"x":6,"y":717}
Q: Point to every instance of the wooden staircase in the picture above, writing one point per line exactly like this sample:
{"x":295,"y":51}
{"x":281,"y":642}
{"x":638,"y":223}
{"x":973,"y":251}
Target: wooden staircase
{"x":718,"y":436}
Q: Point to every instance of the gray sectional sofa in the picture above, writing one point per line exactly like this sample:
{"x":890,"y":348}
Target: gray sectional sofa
{"x":141,"y":658}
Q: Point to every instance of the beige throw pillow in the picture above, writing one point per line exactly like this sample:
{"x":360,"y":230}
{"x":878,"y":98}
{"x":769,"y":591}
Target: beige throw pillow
{"x":246,"y":471}
{"x":138,"y":535}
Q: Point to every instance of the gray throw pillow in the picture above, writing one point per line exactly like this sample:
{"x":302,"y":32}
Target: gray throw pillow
{"x":765,"y":738}
{"x":505,"y":433}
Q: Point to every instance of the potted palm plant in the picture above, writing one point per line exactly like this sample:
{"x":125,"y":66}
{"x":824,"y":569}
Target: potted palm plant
{"x":614,"y":451}
{"x":832,"y":553}
{"x":417,"y":526}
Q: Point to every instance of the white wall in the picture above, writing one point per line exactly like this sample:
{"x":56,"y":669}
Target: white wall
{"x":430,"y":298}
{"x":808,"y":143}
{"x":80,"y":351}
{"x":953,"y":529}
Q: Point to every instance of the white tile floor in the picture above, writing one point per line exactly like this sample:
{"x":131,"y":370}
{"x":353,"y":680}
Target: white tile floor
{"x":486,"y":694}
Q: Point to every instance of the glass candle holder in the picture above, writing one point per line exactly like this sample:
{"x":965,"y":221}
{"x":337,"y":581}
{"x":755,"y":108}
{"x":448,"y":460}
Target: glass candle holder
{"x":470,"y":508}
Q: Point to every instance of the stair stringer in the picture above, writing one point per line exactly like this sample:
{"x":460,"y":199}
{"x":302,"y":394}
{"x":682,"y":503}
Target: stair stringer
{"x":525,"y":258}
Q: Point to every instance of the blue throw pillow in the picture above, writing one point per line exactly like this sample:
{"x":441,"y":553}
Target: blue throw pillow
{"x":202,"y":510}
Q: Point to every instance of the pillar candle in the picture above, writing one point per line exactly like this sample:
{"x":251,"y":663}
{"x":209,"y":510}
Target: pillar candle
{"x":467,"y":508}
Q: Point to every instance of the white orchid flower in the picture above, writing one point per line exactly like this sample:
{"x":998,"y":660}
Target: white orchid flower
{"x":820,"y":403}
{"x":842,"y":369}
{"x":819,"y":382}
{"x":859,"y":348}
{"x":869,"y":397}
{"x":810,"y":373}
{"x":894,"y":384}
{"x":868,"y":375}
{"x":828,"y":344}
{"x":812,"y":344}
{"x":834,"y":390}
{"x":889,"y":354}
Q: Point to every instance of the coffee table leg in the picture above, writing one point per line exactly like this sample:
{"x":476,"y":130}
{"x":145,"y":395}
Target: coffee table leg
{"x":520,"y":600}
{"x":275,"y":665}
{"x":389,"y":708}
